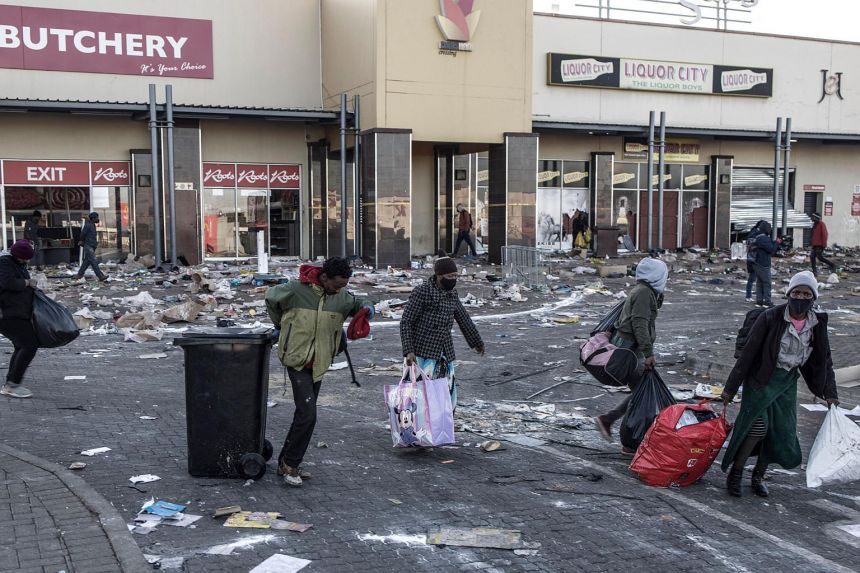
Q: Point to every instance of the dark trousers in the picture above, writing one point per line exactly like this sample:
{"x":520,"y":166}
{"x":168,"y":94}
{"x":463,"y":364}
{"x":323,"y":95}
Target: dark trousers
{"x":90,"y":260}
{"x":816,"y":255}
{"x":465,"y":236}
{"x":20,"y":332}
{"x":762,"y":290}
{"x":613,"y":415}
{"x":750,"y":278}
{"x":305,"y":394}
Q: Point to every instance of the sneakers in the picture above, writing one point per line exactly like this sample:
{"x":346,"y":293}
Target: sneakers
{"x":750,"y":299}
{"x":293,"y":476}
{"x":104,"y":279}
{"x":604,"y":428}
{"x":15,"y":391}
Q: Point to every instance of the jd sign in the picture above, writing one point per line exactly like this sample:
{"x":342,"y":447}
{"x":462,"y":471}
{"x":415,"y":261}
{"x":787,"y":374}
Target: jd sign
{"x":697,"y":8}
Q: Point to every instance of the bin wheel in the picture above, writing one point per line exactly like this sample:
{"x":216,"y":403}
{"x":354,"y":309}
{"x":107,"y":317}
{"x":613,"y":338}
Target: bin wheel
{"x":268,"y":450}
{"x":252,"y":466}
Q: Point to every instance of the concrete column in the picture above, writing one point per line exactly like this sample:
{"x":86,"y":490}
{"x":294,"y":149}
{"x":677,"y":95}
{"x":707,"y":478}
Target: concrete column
{"x":720,"y":203}
{"x":513,"y":193}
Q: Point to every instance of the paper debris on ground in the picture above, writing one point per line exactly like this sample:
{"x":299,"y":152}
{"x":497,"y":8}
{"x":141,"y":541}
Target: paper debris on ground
{"x":75,"y":378}
{"x":143,"y":478}
{"x":254,"y":520}
{"x":228,"y":510}
{"x":477,"y":537}
{"x":162,"y":508}
{"x":148,"y":417}
{"x":185,"y":312}
{"x":143,"y":335}
{"x":227,"y":548}
{"x":290,"y":525}
{"x":280,"y":563}
{"x":77,"y":466}
{"x":95,"y":451}
{"x":155,"y":356}
{"x":338,"y":366}
{"x":185,"y":519}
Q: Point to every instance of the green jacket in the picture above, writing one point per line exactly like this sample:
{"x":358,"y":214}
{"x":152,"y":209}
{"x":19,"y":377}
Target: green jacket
{"x":639,"y":316}
{"x":311,"y":323}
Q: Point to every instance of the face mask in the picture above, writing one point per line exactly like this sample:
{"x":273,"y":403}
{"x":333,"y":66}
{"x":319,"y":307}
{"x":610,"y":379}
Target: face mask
{"x":800,"y":306}
{"x":447,"y":284}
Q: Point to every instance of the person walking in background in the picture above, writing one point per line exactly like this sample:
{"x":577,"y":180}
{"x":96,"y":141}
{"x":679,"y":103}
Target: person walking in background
{"x":16,"y":306}
{"x":785,"y":341}
{"x":31,"y":233}
{"x":425,"y":328}
{"x":309,"y":314}
{"x":754,"y":232}
{"x":465,"y":224}
{"x":89,"y":241}
{"x":819,"y":243}
{"x":636,"y":329}
{"x":763,"y":249}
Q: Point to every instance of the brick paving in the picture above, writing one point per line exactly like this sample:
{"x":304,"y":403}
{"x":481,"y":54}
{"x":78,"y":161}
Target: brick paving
{"x":605,"y":525}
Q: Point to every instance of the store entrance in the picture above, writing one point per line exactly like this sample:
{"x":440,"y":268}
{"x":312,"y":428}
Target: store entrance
{"x":462,"y":179}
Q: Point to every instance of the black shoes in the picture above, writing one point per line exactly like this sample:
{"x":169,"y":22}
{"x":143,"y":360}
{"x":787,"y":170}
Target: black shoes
{"x":757,"y":483}
{"x":733,"y":481}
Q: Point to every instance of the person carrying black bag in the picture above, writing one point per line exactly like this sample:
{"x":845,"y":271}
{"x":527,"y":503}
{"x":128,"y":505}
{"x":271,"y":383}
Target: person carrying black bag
{"x":16,"y":307}
{"x":636,"y":330}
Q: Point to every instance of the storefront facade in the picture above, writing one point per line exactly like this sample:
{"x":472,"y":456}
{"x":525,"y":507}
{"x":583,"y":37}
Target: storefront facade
{"x":526,"y":119}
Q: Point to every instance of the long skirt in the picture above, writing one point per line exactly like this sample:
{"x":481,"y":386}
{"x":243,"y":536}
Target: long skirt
{"x":440,"y":368}
{"x":776,"y":405}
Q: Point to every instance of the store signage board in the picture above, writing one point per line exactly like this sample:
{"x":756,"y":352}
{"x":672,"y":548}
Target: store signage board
{"x":219,"y":174}
{"x":103,"y":42}
{"x":47,"y":173}
{"x":285,"y":177}
{"x":652,"y":75}
{"x":677,"y":150}
{"x":116,"y":173}
{"x":828,"y":208}
{"x":855,"y":204}
{"x":814,"y":187}
{"x":252,"y":175}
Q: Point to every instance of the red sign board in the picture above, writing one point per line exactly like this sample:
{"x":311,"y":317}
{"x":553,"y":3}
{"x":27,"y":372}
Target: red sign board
{"x":285,"y":177}
{"x":104,"y":42}
{"x":111,"y":173}
{"x":48,"y":173}
{"x":813,"y":187}
{"x":855,"y":205}
{"x":828,"y":208}
{"x":219,"y":174}
{"x":252,"y":176}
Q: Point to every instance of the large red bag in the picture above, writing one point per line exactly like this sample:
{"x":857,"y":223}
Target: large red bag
{"x":679,"y":447}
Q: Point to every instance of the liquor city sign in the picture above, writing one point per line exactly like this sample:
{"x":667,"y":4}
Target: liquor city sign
{"x":101,"y":42}
{"x":648,"y":75}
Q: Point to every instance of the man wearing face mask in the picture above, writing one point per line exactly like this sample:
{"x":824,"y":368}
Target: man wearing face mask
{"x":786,"y":341}
{"x":310,"y":313}
{"x":636,"y":329}
{"x":425,"y":328}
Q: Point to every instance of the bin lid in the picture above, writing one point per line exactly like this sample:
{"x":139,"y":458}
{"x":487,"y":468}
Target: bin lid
{"x":258,"y":335}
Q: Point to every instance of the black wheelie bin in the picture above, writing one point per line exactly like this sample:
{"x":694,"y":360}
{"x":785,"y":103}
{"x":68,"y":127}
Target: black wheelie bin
{"x":226,"y":390}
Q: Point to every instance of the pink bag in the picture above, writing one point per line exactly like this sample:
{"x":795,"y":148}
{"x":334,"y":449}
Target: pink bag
{"x":420,"y":411}
{"x":608,"y":363}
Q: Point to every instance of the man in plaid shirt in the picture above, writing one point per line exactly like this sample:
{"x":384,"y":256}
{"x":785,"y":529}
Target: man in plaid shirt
{"x":425,"y":329}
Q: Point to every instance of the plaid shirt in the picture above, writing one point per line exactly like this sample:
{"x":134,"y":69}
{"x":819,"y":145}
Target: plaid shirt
{"x":428,"y":318}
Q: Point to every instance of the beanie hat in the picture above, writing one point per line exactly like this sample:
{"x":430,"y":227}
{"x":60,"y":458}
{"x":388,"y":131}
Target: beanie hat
{"x":94,"y":215}
{"x":22,"y":249}
{"x":803,"y":278}
{"x":444,"y":266}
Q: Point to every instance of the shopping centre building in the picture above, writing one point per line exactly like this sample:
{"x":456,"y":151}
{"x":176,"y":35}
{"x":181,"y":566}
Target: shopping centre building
{"x":524,"y":118}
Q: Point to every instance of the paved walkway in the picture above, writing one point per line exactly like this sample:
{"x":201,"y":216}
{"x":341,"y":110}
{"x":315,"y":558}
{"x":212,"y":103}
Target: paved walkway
{"x":51,"y":521}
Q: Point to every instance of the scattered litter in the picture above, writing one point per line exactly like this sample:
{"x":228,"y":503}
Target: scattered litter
{"x":227,"y":548}
{"x":395,"y":501}
{"x":254,"y":520}
{"x":491,"y":445}
{"x":162,"y":508}
{"x":143,"y":335}
{"x":322,"y":445}
{"x":228,"y":510}
{"x":338,"y":366}
{"x":144,"y":478}
{"x":153,"y":356}
{"x":833,"y":279}
{"x":477,"y":537}
{"x":75,"y":378}
{"x":149,"y":417}
{"x":95,"y":451}
{"x":395,"y":538}
{"x":271,"y":404}
{"x":184,"y":520}
{"x":447,"y":462}
{"x":290,"y":525}
{"x":279,"y":563}
{"x":171,"y":562}
{"x":77,"y":466}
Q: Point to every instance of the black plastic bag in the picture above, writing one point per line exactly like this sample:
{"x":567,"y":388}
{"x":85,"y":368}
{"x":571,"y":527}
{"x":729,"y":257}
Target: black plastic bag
{"x":649,"y":398}
{"x":608,"y":322}
{"x":53,"y":323}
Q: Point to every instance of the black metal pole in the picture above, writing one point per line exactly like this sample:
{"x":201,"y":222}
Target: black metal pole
{"x":776,"y":149}
{"x":171,"y":177}
{"x":156,"y":200}
{"x":343,"y":186}
{"x":661,"y":182}
{"x":650,"y":241}
{"x":787,"y":148}
{"x":356,"y":158}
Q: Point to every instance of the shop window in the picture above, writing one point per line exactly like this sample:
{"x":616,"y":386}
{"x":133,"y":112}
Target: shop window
{"x":562,"y":194}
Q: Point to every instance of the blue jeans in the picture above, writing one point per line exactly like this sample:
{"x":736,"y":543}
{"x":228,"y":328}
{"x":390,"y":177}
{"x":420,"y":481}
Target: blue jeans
{"x":90,"y":260}
{"x":465,"y":236}
{"x":750,"y":278}
{"x":762,"y":275}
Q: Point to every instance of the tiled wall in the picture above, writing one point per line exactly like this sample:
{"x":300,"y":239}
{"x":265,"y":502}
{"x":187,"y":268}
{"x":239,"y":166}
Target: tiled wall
{"x":512,"y":193}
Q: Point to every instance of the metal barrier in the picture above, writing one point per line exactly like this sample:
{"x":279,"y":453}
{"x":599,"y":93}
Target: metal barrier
{"x":524,"y":265}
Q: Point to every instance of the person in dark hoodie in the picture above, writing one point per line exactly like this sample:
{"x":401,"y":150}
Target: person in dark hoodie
{"x":16,"y":306}
{"x":786,"y":341}
{"x":763,"y":248}
{"x":31,"y":233}
{"x":89,"y":240}
{"x":425,"y":328}
{"x":751,"y":254}
{"x":636,"y":329}
{"x":310,"y":314}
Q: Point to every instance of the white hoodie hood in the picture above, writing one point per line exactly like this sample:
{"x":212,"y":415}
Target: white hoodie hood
{"x":654,"y":272}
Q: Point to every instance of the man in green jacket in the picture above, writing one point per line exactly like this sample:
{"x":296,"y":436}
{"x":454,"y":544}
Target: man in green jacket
{"x":310,"y":314}
{"x":636,"y":330}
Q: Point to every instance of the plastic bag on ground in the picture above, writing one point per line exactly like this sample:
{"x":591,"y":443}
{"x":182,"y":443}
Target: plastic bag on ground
{"x":420,"y":411}
{"x":54,"y":324}
{"x":680,"y":446}
{"x":835,"y":455}
{"x":649,"y":398}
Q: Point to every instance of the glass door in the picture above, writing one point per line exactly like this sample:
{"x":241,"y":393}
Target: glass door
{"x":219,"y":223}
